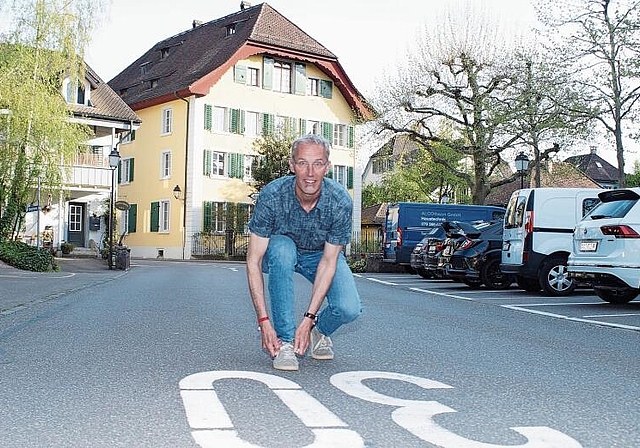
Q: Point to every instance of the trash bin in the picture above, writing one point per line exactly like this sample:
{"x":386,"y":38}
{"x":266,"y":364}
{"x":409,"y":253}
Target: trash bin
{"x":123,"y":258}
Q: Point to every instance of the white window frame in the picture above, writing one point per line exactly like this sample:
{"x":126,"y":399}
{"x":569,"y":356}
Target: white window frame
{"x":313,"y":87}
{"x":220,"y":119}
{"x":125,"y":169}
{"x":340,"y":133}
{"x":252,"y":124}
{"x":340,"y":174}
{"x":314,"y":127}
{"x":218,"y":163}
{"x":248,"y":162}
{"x":166,"y":164}
{"x":167,"y":121}
{"x":282,"y":72}
{"x":164,"y":216}
{"x":253,"y":76}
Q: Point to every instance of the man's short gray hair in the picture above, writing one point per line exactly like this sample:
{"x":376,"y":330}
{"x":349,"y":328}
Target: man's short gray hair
{"x":311,"y":139}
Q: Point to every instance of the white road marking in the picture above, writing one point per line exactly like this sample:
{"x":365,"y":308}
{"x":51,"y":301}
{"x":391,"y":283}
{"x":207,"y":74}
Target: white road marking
{"x":453,"y":296}
{"x":574,"y":319}
{"x":612,"y":315}
{"x":382,"y":281}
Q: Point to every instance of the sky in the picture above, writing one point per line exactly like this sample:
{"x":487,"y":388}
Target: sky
{"x":369,"y":37}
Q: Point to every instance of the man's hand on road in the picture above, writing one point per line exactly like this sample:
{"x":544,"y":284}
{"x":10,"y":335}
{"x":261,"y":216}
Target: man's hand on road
{"x":301,"y":341}
{"x":270,"y":341}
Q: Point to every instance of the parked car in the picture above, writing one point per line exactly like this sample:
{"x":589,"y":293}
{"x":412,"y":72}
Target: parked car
{"x":476,"y":261}
{"x":433,"y":247}
{"x":606,"y":246}
{"x":457,"y":234}
{"x":537,"y":239}
{"x":417,"y":257}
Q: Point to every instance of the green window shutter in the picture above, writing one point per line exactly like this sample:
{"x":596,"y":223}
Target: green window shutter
{"x":301,"y":79}
{"x":120,"y":172}
{"x":236,"y":125}
{"x":349,"y":177}
{"x":236,"y":165}
{"x":240,"y":74}
{"x":327,"y":131}
{"x":267,"y":73}
{"x":208,"y":116}
{"x":131,"y":170}
{"x":207,"y":216}
{"x":267,"y":124}
{"x":133,"y":135}
{"x":326,"y":88}
{"x":155,"y":216}
{"x":133,"y":216}
{"x":302,"y":127}
{"x":329,"y":173}
{"x":351,"y":137}
{"x":206,"y":163}
{"x":242,"y":121}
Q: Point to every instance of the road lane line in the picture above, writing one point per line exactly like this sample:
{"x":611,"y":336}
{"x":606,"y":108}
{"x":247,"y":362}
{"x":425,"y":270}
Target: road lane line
{"x":612,"y":315}
{"x":574,"y":319}
{"x":382,"y":281}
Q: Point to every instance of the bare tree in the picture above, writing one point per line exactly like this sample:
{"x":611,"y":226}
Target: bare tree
{"x":460,"y":79}
{"x":600,"y":43}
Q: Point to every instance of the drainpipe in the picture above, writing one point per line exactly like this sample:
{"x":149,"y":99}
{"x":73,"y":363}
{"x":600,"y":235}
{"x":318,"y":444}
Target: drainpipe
{"x":186,"y":161}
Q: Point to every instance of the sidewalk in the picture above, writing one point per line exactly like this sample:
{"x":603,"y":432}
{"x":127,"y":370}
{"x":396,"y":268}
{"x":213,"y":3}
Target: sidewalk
{"x":20,"y":289}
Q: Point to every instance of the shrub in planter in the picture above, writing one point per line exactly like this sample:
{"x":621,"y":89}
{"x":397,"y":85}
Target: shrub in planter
{"x":66,"y":248}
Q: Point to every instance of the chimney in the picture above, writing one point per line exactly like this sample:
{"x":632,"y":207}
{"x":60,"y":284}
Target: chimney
{"x":196,"y":23}
{"x":594,"y":150}
{"x":244,"y":4}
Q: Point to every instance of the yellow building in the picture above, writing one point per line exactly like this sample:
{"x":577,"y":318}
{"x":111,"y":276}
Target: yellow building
{"x":204,"y":96}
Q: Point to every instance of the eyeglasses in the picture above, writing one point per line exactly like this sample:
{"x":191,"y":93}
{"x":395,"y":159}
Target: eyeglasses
{"x":303,"y":164}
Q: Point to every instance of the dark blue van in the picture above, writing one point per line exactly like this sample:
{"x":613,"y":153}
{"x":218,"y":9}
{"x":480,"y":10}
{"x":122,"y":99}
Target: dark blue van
{"x":407,"y":223}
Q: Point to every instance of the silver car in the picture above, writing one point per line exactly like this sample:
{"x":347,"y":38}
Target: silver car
{"x":606,"y":246}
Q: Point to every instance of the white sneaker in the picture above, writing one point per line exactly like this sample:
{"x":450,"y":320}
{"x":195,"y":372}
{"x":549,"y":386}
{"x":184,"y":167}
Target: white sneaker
{"x":321,"y":345}
{"x":286,"y":358}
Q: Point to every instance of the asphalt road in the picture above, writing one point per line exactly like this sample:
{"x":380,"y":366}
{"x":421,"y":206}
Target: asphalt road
{"x":167,"y":355}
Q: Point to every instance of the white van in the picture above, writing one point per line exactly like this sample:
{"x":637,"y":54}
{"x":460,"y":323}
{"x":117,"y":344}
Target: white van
{"x":537,"y":237}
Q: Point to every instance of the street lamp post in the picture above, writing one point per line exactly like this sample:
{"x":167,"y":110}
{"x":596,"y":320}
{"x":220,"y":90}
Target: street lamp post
{"x":114,"y":160}
{"x":522,"y":163}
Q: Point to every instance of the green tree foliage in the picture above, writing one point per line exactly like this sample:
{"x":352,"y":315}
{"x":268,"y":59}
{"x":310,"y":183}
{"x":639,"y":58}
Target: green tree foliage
{"x":274,"y":151}
{"x":43,"y":46}
{"x":633,"y":180}
{"x":416,"y":177}
{"x":597,"y":42}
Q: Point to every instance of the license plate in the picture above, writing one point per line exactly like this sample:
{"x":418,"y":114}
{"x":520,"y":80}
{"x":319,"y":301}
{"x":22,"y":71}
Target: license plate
{"x":588,"y":246}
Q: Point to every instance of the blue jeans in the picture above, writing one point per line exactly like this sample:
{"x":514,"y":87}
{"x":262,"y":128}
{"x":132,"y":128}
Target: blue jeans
{"x":281,"y":261}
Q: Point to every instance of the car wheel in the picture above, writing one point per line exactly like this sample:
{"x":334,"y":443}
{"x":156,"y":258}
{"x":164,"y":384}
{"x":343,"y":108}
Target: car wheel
{"x":528,"y":284}
{"x":423,"y":273}
{"x":493,"y":277}
{"x":616,"y":296}
{"x":475,"y":284}
{"x":554,"y":277}
{"x":408,"y":269}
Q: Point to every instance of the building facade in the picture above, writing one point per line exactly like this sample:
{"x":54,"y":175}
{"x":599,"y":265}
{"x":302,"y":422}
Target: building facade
{"x":204,"y":97}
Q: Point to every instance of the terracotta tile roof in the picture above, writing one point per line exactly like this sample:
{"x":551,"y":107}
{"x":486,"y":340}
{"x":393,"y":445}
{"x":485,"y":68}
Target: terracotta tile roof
{"x":191,"y":62}
{"x":561,"y":175}
{"x":595,"y":167}
{"x":374,"y":214}
{"x":105,"y":103}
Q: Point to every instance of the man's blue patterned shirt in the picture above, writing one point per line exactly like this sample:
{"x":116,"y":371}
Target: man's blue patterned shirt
{"x":278,"y":212}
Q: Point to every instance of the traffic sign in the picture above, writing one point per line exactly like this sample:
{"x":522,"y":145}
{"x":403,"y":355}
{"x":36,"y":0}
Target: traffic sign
{"x":32,"y":208}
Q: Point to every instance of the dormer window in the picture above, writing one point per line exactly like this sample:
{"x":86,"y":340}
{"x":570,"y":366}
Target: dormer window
{"x":144,"y":68}
{"x":231,"y":29}
{"x":153,"y":83}
{"x":164,"y":53}
{"x":76,"y":93}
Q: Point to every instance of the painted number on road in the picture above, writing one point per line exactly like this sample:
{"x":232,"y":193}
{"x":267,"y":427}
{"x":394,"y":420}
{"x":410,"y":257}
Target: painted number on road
{"x":212,"y":427}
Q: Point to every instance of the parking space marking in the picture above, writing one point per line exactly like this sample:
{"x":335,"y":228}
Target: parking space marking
{"x":613,"y":315}
{"x":574,"y":319}
{"x":381,"y":281}
{"x":453,"y":296}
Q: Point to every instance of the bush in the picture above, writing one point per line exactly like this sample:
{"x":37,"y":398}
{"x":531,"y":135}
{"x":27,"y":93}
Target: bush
{"x":23,"y":256}
{"x":66,"y":248}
